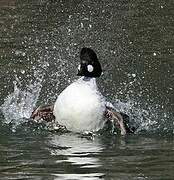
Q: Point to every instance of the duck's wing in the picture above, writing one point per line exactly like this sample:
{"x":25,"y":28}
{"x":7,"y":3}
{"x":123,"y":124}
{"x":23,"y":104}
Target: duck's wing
{"x":113,"y":115}
{"x":120,"y":119}
{"x":44,"y":112}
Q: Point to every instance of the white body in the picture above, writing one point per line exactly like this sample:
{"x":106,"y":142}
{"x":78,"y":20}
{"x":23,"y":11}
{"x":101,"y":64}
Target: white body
{"x":80,"y":107}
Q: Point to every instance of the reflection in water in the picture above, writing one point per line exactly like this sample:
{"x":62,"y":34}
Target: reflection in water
{"x":77,"y":151}
{"x":92,"y":176}
{"x":69,"y":156}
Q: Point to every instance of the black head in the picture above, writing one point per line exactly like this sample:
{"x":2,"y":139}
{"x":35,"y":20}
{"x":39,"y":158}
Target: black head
{"x":89,"y":64}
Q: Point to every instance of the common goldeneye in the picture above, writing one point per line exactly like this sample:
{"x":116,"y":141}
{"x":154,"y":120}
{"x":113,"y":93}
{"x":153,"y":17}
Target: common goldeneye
{"x":81,"y":107}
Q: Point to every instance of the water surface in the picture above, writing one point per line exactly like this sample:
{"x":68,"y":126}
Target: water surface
{"x":70,"y":156}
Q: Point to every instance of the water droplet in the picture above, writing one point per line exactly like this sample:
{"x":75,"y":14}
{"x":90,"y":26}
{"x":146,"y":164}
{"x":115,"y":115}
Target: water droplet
{"x":17,"y":52}
{"x":81,"y":24}
{"x":23,"y":71}
{"x":133,"y":75}
{"x":23,"y":54}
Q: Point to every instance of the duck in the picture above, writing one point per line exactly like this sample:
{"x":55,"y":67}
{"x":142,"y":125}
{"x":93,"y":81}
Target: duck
{"x":81,"y":107}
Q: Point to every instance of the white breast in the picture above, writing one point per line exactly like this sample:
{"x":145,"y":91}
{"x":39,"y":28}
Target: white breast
{"x":80,"y":107}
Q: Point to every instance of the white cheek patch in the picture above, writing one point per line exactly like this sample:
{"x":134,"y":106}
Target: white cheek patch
{"x":90,"y":68}
{"x":79,"y":66}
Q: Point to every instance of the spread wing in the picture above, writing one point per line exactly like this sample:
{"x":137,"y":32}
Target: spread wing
{"x":44,"y":112}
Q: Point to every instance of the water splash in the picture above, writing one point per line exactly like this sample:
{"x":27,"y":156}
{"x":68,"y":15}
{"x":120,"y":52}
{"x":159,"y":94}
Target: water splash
{"x":149,"y":119}
{"x":19,"y":105}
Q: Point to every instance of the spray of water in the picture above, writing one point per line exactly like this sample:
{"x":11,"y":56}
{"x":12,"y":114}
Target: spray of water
{"x":151,"y":120}
{"x":19,"y":105}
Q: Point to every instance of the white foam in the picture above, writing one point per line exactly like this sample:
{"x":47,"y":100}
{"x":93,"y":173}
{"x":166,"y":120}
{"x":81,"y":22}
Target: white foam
{"x":19,"y":104}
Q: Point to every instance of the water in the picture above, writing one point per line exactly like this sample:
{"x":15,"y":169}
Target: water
{"x":39,"y":52}
{"x":68,"y":156}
